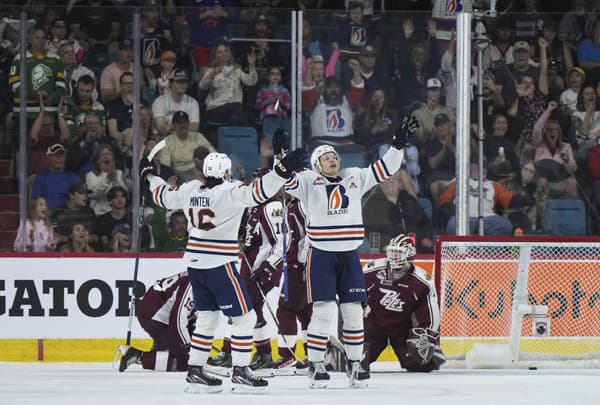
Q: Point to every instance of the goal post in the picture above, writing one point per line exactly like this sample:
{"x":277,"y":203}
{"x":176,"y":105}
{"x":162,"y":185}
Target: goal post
{"x":513,"y":302}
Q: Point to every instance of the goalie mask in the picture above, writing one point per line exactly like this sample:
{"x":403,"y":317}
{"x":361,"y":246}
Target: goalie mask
{"x":217,"y":165}
{"x":400,"y":252}
{"x":316,"y":156}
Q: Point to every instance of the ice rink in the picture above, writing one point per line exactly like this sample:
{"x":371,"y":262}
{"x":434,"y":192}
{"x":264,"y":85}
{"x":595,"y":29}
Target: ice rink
{"x":100,"y":384}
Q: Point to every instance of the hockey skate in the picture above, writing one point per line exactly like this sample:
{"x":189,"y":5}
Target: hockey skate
{"x":284,"y":366}
{"x":358,"y":377}
{"x":244,"y":381}
{"x":131,"y":356}
{"x":262,"y":365}
{"x":302,"y":367}
{"x":220,"y":364}
{"x":317,"y":375}
{"x":198,"y":381}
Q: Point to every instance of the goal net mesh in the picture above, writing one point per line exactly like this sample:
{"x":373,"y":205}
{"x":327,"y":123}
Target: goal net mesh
{"x":476,"y":279}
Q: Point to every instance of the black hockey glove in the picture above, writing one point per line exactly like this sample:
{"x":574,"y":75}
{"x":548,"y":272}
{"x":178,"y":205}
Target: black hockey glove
{"x":281,"y":141}
{"x":294,"y":160}
{"x":264,"y":276}
{"x":146,"y":168}
{"x":401,"y":137}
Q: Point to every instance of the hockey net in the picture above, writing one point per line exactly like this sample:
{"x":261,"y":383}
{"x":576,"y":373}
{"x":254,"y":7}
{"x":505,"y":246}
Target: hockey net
{"x":512,"y":302}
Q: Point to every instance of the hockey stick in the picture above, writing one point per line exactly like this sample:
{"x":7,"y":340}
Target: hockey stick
{"x":270,"y":309}
{"x":284,"y":224}
{"x":121,"y":349}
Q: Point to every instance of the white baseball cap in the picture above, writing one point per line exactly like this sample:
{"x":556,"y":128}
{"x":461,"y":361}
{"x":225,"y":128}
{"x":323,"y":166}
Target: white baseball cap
{"x":434,"y":82}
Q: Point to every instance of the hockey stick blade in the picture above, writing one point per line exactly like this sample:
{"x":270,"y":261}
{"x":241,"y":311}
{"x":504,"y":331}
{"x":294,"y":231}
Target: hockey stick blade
{"x":121,"y":349}
{"x":156,"y":149}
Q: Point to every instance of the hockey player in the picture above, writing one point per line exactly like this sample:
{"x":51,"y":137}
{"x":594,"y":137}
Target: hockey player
{"x":402,"y":309}
{"x":167,"y":313}
{"x":296,"y":308}
{"x":332,"y":202}
{"x":214,"y":211}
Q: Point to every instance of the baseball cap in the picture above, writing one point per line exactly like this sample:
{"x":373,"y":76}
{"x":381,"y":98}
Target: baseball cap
{"x":121,"y":228}
{"x":368,"y":50}
{"x":79,"y":187}
{"x":168,"y":55}
{"x":578,"y":70}
{"x":260,"y":18}
{"x":521,"y":46}
{"x":56,"y":148}
{"x":180,"y":75}
{"x":440,"y":119}
{"x":125,"y":44}
{"x":434,"y":82}
{"x":317,"y":59}
{"x":180,"y":116}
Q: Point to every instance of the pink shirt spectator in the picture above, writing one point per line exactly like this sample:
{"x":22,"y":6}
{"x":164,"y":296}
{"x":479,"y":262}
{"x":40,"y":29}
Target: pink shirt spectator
{"x":37,"y":236}
{"x":110,"y":76}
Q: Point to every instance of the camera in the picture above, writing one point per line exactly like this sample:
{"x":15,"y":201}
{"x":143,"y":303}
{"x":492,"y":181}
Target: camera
{"x":541,"y":327}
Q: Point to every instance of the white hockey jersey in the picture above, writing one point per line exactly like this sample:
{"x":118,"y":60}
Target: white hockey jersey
{"x":334,"y":209}
{"x":213,"y":214}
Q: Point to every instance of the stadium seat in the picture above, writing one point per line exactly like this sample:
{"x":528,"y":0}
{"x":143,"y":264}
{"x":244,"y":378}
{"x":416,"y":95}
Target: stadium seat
{"x":565,"y":217}
{"x":241,"y":144}
{"x":425,"y":203}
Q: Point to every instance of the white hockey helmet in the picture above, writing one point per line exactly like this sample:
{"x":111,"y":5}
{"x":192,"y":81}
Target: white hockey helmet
{"x":400,"y":251}
{"x":217,"y":165}
{"x":320,"y":151}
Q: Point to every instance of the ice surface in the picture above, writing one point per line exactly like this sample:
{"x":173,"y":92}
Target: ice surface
{"x":100,"y":384}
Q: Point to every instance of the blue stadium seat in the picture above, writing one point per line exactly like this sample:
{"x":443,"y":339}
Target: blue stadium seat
{"x":425,"y":203}
{"x":565,"y":217}
{"x":241,"y":144}
{"x":353,"y":159}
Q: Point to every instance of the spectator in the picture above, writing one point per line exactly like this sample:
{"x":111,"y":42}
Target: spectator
{"x":588,"y":54}
{"x":57,"y":35}
{"x":374,"y":126}
{"x":509,"y":75}
{"x":75,"y":211}
{"x":53,"y":183}
{"x":178,"y":152}
{"x":500,"y":50}
{"x":119,"y":111}
{"x":121,"y":238}
{"x":492,"y":102}
{"x":370,"y":69}
{"x":96,"y":25}
{"x":577,"y":24}
{"x":42,"y":134}
{"x":146,"y":131}
{"x":390,"y":208}
{"x":156,"y":38}
{"x":73,"y":70}
{"x":103,"y":176}
{"x":528,"y":22}
{"x":45,"y":79}
{"x":313,"y":49}
{"x":171,"y":235}
{"x":499,"y":150}
{"x":353,"y":32}
{"x":273,"y":99}
{"x":90,"y":137}
{"x":331,"y":118}
{"x":594,"y":166}
{"x":208,"y":24}
{"x":315,"y":74}
{"x":79,"y":106}
{"x":112,"y":75}
{"x":37,"y":236}
{"x":527,"y":184}
{"x":426,"y":114}
{"x":161,"y":82}
{"x":224,"y":80}
{"x":441,"y":156}
{"x":199,"y":154}
{"x":165,"y":106}
{"x":567,"y":103}
{"x":79,"y":240}
{"x":586,"y":120}
{"x":118,"y":214}
{"x":554,"y":159}
{"x":495,"y":196}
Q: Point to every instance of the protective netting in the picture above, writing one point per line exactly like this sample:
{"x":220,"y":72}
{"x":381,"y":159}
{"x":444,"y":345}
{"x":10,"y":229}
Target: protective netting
{"x":477,"y":278}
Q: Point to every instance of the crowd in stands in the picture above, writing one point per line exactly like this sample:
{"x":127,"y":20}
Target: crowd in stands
{"x":214,"y":64}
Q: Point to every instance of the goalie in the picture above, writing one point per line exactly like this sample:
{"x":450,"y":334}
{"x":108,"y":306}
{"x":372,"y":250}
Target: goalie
{"x":402,"y":309}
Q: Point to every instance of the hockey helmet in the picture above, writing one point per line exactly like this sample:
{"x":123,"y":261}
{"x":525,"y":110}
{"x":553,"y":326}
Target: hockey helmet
{"x":320,"y":151}
{"x":217,"y":165}
{"x":400,"y":251}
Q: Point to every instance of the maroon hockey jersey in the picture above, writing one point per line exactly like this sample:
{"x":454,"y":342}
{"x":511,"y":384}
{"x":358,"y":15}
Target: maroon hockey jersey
{"x":396,"y":306}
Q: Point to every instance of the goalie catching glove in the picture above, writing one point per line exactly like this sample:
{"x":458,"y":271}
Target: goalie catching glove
{"x":294,"y":160}
{"x":421,"y":344}
{"x":401,"y":137}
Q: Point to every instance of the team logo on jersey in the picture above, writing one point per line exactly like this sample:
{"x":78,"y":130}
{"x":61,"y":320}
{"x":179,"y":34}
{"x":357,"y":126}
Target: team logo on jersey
{"x":358,"y":36}
{"x":337,"y":200}
{"x":335,"y":121}
{"x":319,"y":181}
{"x":40,"y":75}
{"x":391,"y":300}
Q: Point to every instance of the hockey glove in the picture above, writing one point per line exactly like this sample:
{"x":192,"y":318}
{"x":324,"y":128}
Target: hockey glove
{"x":421,"y":344}
{"x":281,"y":141}
{"x":146,"y":168}
{"x":401,"y":137}
{"x":264,"y":276}
{"x":294,"y":160}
